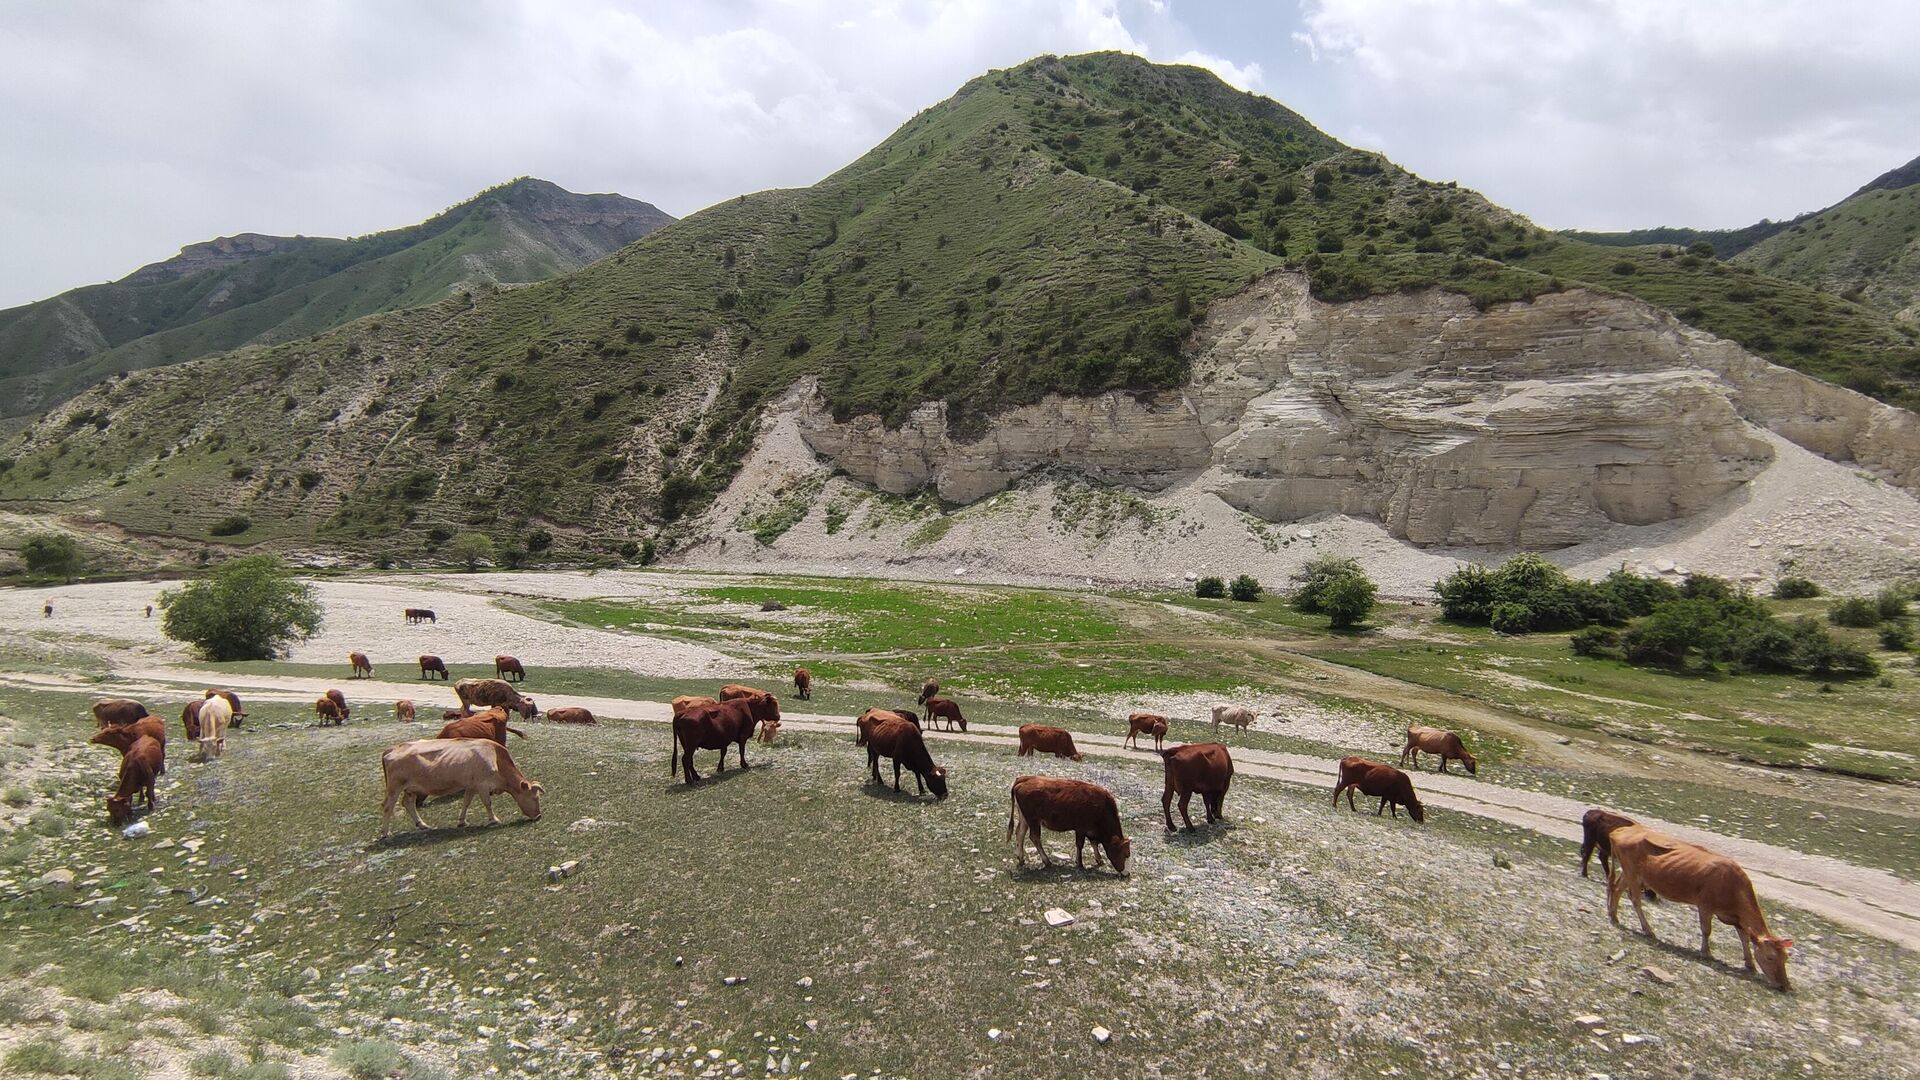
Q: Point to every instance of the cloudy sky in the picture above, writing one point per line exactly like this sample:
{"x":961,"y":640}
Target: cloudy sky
{"x":134,"y":128}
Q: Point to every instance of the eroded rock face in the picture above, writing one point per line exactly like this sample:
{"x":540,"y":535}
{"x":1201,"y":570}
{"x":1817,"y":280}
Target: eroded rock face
{"x":1531,"y":425}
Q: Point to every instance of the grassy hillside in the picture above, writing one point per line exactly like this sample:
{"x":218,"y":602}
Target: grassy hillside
{"x":527,"y":230}
{"x":1866,"y":249}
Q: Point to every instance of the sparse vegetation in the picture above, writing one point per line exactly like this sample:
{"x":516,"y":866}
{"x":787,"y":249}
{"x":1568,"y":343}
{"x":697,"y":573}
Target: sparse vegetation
{"x":1794,"y":587}
{"x":1210,"y":588}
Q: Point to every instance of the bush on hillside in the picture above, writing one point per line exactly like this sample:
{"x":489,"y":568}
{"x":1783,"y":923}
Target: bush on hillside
{"x":1210,"y":588}
{"x":1793,"y":587}
{"x":1856,"y":611}
{"x":1245,"y":588}
{"x":1316,"y":576}
{"x":474,"y":548}
{"x":231,"y":525}
{"x":1891,"y":603}
{"x":1348,"y":600}
{"x":249,"y":608}
{"x":53,"y":554}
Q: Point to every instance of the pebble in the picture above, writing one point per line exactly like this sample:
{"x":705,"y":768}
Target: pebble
{"x":804,"y":982}
{"x":1589,"y":1020}
{"x":1058,"y":917}
{"x":1102,"y":1035}
{"x":1632,"y":1040}
{"x":1659,"y":975}
{"x":994,"y":1034}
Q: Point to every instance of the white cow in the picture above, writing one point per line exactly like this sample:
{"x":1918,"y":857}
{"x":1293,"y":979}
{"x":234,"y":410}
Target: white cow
{"x":215,"y":715}
{"x":1234,"y":715}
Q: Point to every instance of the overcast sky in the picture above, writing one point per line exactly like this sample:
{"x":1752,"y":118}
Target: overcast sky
{"x":132,"y":128}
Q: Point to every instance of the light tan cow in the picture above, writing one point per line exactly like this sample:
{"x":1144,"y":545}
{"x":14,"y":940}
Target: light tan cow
{"x":215,"y":715}
{"x":428,"y":768}
{"x":403,"y":709}
{"x":1443,"y":744}
{"x":1233,"y":716}
{"x":1690,"y":874}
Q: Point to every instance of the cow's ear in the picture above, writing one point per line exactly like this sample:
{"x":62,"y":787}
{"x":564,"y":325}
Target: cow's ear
{"x":1786,"y":943}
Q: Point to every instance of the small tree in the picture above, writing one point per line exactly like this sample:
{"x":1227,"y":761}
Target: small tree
{"x":1794,"y":587}
{"x":1854,"y":611}
{"x":1348,"y":600}
{"x":53,"y":554}
{"x":248,"y":609}
{"x":473,"y":549}
{"x":1210,"y":588}
{"x":1245,"y":588}
{"x":1316,"y":576}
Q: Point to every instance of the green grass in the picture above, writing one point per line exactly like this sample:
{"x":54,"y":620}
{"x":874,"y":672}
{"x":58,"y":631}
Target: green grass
{"x":1863,"y":248}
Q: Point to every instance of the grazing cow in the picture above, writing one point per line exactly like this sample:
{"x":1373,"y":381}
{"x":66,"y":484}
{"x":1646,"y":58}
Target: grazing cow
{"x":1391,"y":786}
{"x":340,"y":699}
{"x":122,"y":736}
{"x":908,"y":715}
{"x":509,"y":668}
{"x":1203,"y":767}
{"x":140,"y":765}
{"x":362,"y":667}
{"x":928,"y":689}
{"x":1047,"y":740}
{"x":329,"y":710}
{"x":47,"y":612}
{"x":215,"y":714}
{"x":453,"y":714}
{"x":1689,"y":874}
{"x":688,"y":701}
{"x":233,"y":702}
{"x":1145,"y":723}
{"x":1232,"y":715}
{"x":868,"y":720}
{"x":111,"y":711}
{"x":1088,"y":811}
{"x":769,"y":731}
{"x":944,"y":709}
{"x":802,"y":683}
{"x":895,"y":738}
{"x":190,"y":718}
{"x":149,"y":611}
{"x":432,"y":665}
{"x":491,"y":724}
{"x":403,"y":710}
{"x":429,"y":768}
{"x":489,"y":692}
{"x":420,"y":614}
{"x":1595,"y":825}
{"x":1444,"y":744}
{"x":717,"y":726}
{"x":732,"y":691}
{"x":572,"y":714}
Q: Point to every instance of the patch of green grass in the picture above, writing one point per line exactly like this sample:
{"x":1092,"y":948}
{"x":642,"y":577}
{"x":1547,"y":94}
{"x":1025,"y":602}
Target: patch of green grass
{"x":770,"y":521}
{"x":16,"y":796}
{"x":49,"y":823}
{"x":46,"y":1056}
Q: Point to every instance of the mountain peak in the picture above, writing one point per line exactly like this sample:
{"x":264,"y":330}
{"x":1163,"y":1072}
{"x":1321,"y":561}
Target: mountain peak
{"x":1894,"y":179}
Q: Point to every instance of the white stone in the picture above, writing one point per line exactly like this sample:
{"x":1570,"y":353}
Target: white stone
{"x":994,"y":1034}
{"x":1102,"y":1035}
{"x":1058,"y":917}
{"x":1589,"y":1020}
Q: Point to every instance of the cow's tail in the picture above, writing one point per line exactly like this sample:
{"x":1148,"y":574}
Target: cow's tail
{"x":1013,"y":807}
{"x":516,"y":731}
{"x":673,"y":754}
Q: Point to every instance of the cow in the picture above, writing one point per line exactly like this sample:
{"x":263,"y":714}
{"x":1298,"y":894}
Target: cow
{"x":431,"y":665}
{"x":429,"y":768}
{"x":1375,"y":780}
{"x":908,"y":715}
{"x":122,"y":737}
{"x":140,"y":765}
{"x":802,"y":684}
{"x":329,"y":710}
{"x":362,"y":667}
{"x":420,"y":614}
{"x":509,"y":668}
{"x":928,"y":689}
{"x":491,"y":724}
{"x":149,"y":611}
{"x":769,"y":731}
{"x":403,"y":710}
{"x":488,"y":692}
{"x":732,"y":691}
{"x":190,"y":718}
{"x":1047,"y":740}
{"x":233,"y":702}
{"x":46,"y":612}
{"x":1595,"y":825}
{"x":688,"y":701}
{"x":944,"y":709}
{"x":340,"y":699}
{"x":1088,"y":811}
{"x":111,"y":711}
{"x":1203,"y":767}
{"x":1443,"y":744}
{"x":215,"y":714}
{"x":453,"y":714}
{"x":572,"y":714}
{"x":717,"y":726}
{"x":1145,"y":723}
{"x":1234,"y":716}
{"x":1690,"y":874}
{"x":872,"y":718}
{"x":893,"y":737}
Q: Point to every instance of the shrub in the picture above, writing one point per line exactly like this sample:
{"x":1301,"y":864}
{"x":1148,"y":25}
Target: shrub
{"x":1210,"y":588}
{"x":1348,"y":600}
{"x":1854,"y":611}
{"x":1891,"y":603}
{"x":1793,"y":587}
{"x":1316,"y":576}
{"x":247,"y":609}
{"x":512,"y":558}
{"x":629,"y":551}
{"x":474,"y":548}
{"x":1594,"y":641}
{"x":1245,"y":588}
{"x":648,"y":552}
{"x":1508,"y":617}
{"x":53,"y":554}
{"x":1896,"y":637}
{"x":370,"y":1059}
{"x":539,"y":540}
{"x":1466,"y":595}
{"x":231,"y":525}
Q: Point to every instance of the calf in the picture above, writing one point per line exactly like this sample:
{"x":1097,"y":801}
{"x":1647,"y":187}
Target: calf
{"x":769,"y":731}
{"x":362,"y":667}
{"x":508,"y":668}
{"x":403,"y":710}
{"x":329,"y":710}
{"x":1088,"y":811}
{"x":110,"y":711}
{"x":190,"y":718}
{"x":1233,"y":716}
{"x":802,"y":683}
{"x":717,"y":726}
{"x":1690,"y":874}
{"x":429,"y":768}
{"x":1203,"y":767}
{"x":1391,"y":786}
{"x":431,"y":666}
{"x":491,"y":724}
{"x":893,"y":737}
{"x":928,"y":689}
{"x":490,"y":692}
{"x":1047,"y":740}
{"x":570,"y":715}
{"x":340,"y":699}
{"x":944,"y":709}
{"x":215,"y":714}
{"x":140,"y":765}
{"x":1444,"y":744}
{"x":1145,"y":723}
{"x":122,"y":736}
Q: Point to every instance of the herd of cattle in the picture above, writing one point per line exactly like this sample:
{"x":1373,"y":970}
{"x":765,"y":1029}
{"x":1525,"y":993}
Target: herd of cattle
{"x":469,"y":758}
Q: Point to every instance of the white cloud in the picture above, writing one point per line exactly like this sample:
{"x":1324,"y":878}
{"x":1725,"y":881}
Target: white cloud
{"x":1241,"y":76}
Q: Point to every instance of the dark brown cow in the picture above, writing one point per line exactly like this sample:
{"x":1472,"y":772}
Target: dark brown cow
{"x":1088,"y":811}
{"x":908,"y":715}
{"x":420,"y":614}
{"x":1146,"y":723}
{"x":233,"y":702}
{"x":1595,"y":824}
{"x":509,"y":668}
{"x":110,"y":711}
{"x":872,"y":718}
{"x":944,"y":709}
{"x":491,"y":724}
{"x":486,"y":693}
{"x":571,"y":714}
{"x":1375,"y":780}
{"x":893,"y":737}
{"x":928,"y":689}
{"x":329,"y":710}
{"x":717,"y":726}
{"x":1203,"y":767}
{"x":190,"y":718}
{"x":144,"y":761}
{"x":1047,"y":740}
{"x":362,"y":667}
{"x":432,"y":665}
{"x":122,"y":736}
{"x":802,"y":683}
{"x":340,"y":699}
{"x":1442,"y":744}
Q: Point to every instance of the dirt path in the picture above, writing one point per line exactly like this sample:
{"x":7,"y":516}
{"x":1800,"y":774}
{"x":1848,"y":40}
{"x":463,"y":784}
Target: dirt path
{"x":1865,"y":899}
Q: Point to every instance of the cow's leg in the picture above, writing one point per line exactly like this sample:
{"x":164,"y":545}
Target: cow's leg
{"x":1080,"y":850}
{"x":1638,"y":909}
{"x":1158,"y":739}
{"x":1706,"y":933}
{"x":487,"y":802}
{"x":1038,"y":832}
{"x":686,"y":764}
{"x":743,"y":753}
{"x":1186,"y":799}
{"x":873,"y":763}
{"x":1443,"y":763}
{"x":464,"y":804}
{"x":1166,"y":806}
{"x":1746,"y":945}
{"x":1099,"y":863}
{"x":1128,"y":741}
{"x":1404,"y":751}
{"x":386,"y":812}
{"x":896,"y":774}
{"x":413,"y":807}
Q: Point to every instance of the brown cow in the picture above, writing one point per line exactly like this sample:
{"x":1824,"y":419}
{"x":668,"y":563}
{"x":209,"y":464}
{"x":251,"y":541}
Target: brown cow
{"x":1145,"y":723}
{"x":420,"y":614}
{"x":1088,"y":811}
{"x":1203,"y":767}
{"x":453,"y":714}
{"x":488,"y":692}
{"x":329,"y":710}
{"x":142,"y":762}
{"x":872,"y":718}
{"x":431,"y":665}
{"x":802,"y":683}
{"x":362,"y":667}
{"x":233,"y":702}
{"x":1690,"y":874}
{"x":110,"y":711}
{"x":429,"y":768}
{"x":928,"y":689}
{"x":403,"y":710}
{"x":944,"y":709}
{"x":1444,"y":744}
{"x":688,"y":701}
{"x":340,"y":699}
{"x":506,"y":666}
{"x":1375,"y":780}
{"x":717,"y":726}
{"x":893,"y":737}
{"x":190,"y":718}
{"x":491,"y":724}
{"x":571,"y":714}
{"x":122,"y":736}
{"x":1047,"y":740}
{"x":732,"y":691}
{"x":1595,"y":825}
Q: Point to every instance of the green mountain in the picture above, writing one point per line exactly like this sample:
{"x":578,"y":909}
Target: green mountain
{"x":1865,"y":248}
{"x":252,"y":289}
{"x":1056,"y":227}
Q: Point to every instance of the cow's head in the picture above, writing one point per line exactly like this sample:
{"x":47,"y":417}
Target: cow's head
{"x":1473,"y":767}
{"x":528,"y":709}
{"x":1119,"y":850}
{"x":119,"y":738}
{"x":119,"y":809}
{"x":527,"y":797}
{"x":1417,"y":812}
{"x":937,"y":782}
{"x":1771,"y":954}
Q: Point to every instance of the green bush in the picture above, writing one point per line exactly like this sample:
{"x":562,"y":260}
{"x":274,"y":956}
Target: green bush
{"x":1595,"y":641}
{"x":53,"y":554}
{"x":1511,"y":618}
{"x":1896,"y":637}
{"x":1210,"y":588}
{"x":474,"y":548}
{"x":1856,"y":611}
{"x":1551,"y":599}
{"x":1891,"y":603}
{"x":247,"y":609}
{"x":370,"y":1059}
{"x":1793,"y":587}
{"x":1245,"y":588}
{"x":1348,"y":600}
{"x":539,"y":540}
{"x":231,"y":525}
{"x":1316,"y":576}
